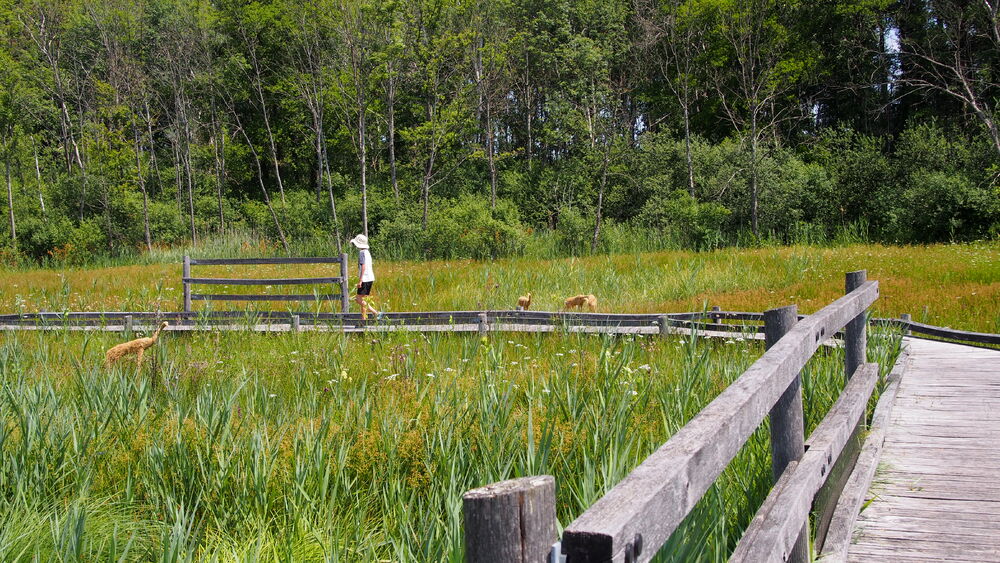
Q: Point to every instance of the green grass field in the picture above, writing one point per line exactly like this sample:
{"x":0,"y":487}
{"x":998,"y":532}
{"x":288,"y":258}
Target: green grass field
{"x":946,"y":285}
{"x":246,"y":446}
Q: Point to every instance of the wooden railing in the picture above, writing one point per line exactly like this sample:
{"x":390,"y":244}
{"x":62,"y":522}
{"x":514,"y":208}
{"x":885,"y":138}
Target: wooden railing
{"x":340,"y":281}
{"x":635,"y":518}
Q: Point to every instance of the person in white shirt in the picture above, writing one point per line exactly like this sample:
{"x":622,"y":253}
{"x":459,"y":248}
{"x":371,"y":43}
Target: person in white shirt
{"x":366,"y":276}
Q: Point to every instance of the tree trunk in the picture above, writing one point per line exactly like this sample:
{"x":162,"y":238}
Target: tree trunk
{"x":178,"y":175}
{"x":189,"y":175}
{"x":363,"y":157}
{"x":218,"y":141}
{"x":10,"y":199}
{"x":260,"y":180}
{"x":490,"y":156}
{"x":687,"y":149}
{"x":600,"y":196}
{"x":38,"y":175}
{"x":391,"y":102}
{"x":152,"y":150}
{"x":333,"y":203}
{"x":753,"y":178}
{"x":318,"y":142}
{"x":141,"y":179}
{"x":267,"y":126}
{"x":426,"y":188}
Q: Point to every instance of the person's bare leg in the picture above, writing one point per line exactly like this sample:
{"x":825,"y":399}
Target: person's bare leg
{"x":370,"y":308}
{"x":360,"y":300}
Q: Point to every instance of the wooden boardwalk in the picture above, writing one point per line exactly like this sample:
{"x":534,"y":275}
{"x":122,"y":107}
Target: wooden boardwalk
{"x":936,"y":493}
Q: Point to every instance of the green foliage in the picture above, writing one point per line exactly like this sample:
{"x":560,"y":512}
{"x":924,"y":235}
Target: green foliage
{"x":696,"y":225}
{"x":462,"y":228}
{"x":139,"y":117}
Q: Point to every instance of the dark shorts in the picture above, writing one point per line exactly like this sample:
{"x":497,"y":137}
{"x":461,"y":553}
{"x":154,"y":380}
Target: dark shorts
{"x":365,"y":289}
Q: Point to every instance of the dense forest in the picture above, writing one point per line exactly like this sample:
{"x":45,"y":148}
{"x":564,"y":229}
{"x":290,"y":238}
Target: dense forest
{"x":468,"y":127}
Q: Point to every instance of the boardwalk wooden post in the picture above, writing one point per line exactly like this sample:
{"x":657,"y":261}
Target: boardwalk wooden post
{"x":128,"y":324}
{"x":715,"y":313}
{"x":664,"y":325}
{"x":296,"y":323}
{"x":344,"y":306}
{"x":855,"y":344}
{"x":906,"y":318}
{"x":855,"y":336}
{"x":511,"y":521}
{"x":484,"y":326}
{"x":187,"y":286}
{"x":787,"y":425}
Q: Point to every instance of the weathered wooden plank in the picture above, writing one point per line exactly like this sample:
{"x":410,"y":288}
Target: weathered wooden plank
{"x":928,"y":544}
{"x":880,"y":512}
{"x":511,"y":521}
{"x":965,"y":336}
{"x":955,"y":531}
{"x":889,"y":501}
{"x":652,"y":500}
{"x":263,"y":281}
{"x":786,"y":418}
{"x":840,"y":530}
{"x":237,"y":297}
{"x":344,"y":304}
{"x":772,"y":533}
{"x":259,"y":261}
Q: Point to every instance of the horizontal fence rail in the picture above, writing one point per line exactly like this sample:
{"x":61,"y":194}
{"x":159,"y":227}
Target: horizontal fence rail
{"x":340,"y":281}
{"x":499,"y":321}
{"x":653,"y":500}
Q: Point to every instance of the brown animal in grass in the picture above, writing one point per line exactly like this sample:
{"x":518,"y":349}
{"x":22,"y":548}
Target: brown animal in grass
{"x":523,"y":302}
{"x":579,"y":301}
{"x":137,"y":347}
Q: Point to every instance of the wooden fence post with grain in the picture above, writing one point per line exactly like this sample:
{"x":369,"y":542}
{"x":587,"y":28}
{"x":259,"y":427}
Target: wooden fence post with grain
{"x":344,"y":301}
{"x":512,"y":521}
{"x":855,"y":334}
{"x":787,"y":417}
{"x":906,"y":319}
{"x":187,"y":285}
{"x":484,"y":326}
{"x":855,"y":351}
{"x":638,"y":515}
{"x":664,"y":325}
{"x":296,"y":323}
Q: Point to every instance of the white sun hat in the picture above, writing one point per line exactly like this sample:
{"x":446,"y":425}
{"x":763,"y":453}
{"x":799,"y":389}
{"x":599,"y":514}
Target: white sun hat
{"x":360,"y":241}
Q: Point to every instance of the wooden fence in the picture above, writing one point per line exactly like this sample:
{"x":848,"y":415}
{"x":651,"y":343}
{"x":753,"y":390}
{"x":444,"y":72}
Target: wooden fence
{"x":634,"y":519}
{"x":340,"y":281}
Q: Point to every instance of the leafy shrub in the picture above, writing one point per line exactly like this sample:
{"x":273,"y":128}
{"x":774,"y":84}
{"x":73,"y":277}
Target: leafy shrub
{"x":695,"y":225}
{"x":461,"y":228}
{"x":573,"y":231}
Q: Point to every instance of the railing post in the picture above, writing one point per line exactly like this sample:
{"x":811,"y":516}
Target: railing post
{"x":787,"y":425}
{"x":343,"y":284}
{"x":511,"y":521}
{"x":296,"y":323}
{"x":664,"y":323}
{"x":715,"y":314}
{"x":484,"y":326}
{"x":906,"y":318}
{"x":187,"y":286}
{"x":855,"y":335}
{"x":128,"y":324}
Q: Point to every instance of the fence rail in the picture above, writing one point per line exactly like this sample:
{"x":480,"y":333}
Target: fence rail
{"x":340,"y":281}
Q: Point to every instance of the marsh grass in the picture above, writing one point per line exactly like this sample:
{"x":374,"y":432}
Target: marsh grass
{"x":945,"y":285}
{"x":242,"y":446}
